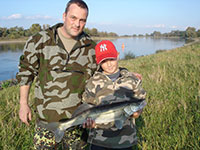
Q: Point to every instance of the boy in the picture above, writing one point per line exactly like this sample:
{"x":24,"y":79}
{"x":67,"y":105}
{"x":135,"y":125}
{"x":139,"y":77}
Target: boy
{"x":108,"y":83}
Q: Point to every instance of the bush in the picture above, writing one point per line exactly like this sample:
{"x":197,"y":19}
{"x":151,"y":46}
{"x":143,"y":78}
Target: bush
{"x":129,"y":55}
{"x":160,"y":50}
{"x":5,"y":84}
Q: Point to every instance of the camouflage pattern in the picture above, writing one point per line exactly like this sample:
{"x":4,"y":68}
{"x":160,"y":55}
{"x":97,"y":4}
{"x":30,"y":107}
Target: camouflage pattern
{"x":60,"y":76}
{"x":45,"y":140}
{"x":100,"y":89}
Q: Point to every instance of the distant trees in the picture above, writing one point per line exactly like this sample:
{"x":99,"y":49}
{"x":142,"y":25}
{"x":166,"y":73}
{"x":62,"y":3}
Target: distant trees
{"x":156,"y":34}
{"x":190,"y":32}
{"x":198,"y":33}
{"x":35,"y":28}
{"x":12,"y":33}
{"x":3,"y":32}
{"x":95,"y":32}
{"x":17,"y":32}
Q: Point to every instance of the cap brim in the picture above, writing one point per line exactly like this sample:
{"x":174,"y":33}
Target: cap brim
{"x":106,"y":59}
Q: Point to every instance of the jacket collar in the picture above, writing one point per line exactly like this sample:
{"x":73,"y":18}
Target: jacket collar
{"x":83,"y":40}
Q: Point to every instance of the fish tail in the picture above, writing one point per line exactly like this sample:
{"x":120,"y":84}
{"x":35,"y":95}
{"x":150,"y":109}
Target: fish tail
{"x":58,"y":133}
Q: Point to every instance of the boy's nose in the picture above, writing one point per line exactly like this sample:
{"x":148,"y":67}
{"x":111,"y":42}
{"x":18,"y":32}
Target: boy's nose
{"x":108,"y":63}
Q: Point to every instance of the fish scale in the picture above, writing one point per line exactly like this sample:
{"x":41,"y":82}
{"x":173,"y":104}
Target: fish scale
{"x":116,"y":112}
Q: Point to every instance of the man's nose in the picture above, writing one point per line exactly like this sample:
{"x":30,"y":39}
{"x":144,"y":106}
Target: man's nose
{"x":77,"y":23}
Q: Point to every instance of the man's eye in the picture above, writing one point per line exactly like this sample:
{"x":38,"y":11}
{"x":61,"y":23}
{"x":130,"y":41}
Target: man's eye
{"x":83,"y":21}
{"x":73,"y":18}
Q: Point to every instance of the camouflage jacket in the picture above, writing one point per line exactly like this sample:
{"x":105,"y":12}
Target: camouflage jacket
{"x":60,"y":76}
{"x":99,"y":89}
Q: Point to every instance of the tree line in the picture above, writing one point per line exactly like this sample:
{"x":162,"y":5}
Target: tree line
{"x":190,"y":32}
{"x":18,"y":32}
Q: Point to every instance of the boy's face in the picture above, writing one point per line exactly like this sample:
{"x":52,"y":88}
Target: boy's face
{"x":109,"y":66}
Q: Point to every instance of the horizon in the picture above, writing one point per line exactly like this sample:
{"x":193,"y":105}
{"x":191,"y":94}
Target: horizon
{"x":124,"y":18}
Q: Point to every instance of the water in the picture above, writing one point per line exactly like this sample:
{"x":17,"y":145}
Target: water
{"x":10,"y":53}
{"x":145,"y":46}
{"x":9,"y":60}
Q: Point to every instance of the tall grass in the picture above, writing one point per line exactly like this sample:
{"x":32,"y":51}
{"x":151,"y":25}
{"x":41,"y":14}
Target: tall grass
{"x":14,"y":135}
{"x":170,"y":121}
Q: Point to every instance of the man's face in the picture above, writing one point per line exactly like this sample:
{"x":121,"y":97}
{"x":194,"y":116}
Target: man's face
{"x":109,"y":66}
{"x":74,"y":21}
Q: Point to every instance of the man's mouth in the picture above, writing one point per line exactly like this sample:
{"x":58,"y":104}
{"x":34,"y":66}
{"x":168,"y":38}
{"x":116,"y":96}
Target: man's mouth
{"x":75,"y":29}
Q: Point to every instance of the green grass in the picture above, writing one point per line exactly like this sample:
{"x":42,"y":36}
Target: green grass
{"x":170,"y":121}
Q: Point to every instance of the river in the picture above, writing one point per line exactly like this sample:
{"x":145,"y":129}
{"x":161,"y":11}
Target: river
{"x":10,"y":53}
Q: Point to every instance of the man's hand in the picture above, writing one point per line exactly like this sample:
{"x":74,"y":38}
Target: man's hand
{"x":25,"y":113}
{"x":137,"y":114}
{"x":89,"y":123}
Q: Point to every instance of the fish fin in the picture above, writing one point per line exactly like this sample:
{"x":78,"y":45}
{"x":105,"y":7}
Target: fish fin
{"x":129,"y":110}
{"x":119,"y":123}
{"x":58,"y":133}
{"x":81,"y":108}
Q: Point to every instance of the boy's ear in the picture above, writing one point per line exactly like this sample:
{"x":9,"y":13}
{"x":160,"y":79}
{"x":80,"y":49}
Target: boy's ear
{"x":118,"y":55}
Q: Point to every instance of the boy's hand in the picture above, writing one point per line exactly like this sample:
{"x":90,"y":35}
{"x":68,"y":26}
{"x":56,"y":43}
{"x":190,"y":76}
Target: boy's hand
{"x":139,"y":76}
{"x":89,"y":123}
{"x":137,"y":114}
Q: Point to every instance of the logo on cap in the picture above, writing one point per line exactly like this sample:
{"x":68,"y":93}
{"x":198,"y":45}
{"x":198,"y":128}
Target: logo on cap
{"x":103,"y":47}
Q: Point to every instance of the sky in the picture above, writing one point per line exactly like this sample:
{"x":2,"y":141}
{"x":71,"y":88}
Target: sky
{"x":124,"y":17}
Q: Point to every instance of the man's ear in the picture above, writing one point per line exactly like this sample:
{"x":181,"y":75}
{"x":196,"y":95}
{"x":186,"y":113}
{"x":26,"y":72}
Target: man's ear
{"x":64,"y":16}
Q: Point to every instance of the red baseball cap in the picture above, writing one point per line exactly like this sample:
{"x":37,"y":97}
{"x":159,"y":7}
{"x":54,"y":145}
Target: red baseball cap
{"x":105,"y":50}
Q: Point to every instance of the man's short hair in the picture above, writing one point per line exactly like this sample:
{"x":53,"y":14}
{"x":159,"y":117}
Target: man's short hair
{"x":80,"y":3}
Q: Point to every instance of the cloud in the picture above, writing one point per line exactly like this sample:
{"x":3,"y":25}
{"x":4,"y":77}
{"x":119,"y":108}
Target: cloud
{"x":14,"y":16}
{"x":26,"y":21}
{"x":156,"y":26}
{"x":174,"y":27}
{"x":38,"y":17}
{"x":159,"y":26}
{"x":20,"y":16}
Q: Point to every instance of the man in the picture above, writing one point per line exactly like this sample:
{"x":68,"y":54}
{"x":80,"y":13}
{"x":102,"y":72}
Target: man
{"x":61,"y":59}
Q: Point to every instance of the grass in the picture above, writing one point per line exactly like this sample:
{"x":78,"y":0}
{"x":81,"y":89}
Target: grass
{"x":14,"y":135}
{"x":170,"y":121}
{"x":129,"y":55}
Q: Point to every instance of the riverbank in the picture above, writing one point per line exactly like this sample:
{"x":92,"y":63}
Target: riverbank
{"x":10,"y":41}
{"x":8,"y":83}
{"x":23,"y":40}
{"x":193,"y":41}
{"x":169,"y":121}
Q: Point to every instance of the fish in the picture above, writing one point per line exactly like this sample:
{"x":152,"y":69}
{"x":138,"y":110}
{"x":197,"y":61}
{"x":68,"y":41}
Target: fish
{"x":116,"y":112}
